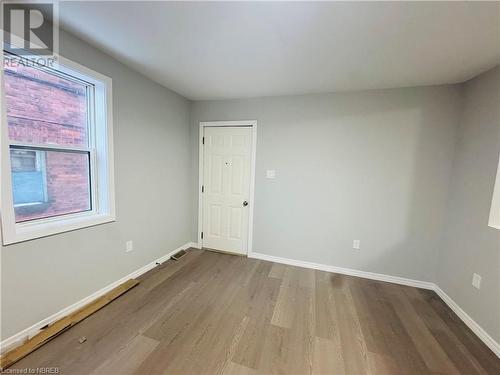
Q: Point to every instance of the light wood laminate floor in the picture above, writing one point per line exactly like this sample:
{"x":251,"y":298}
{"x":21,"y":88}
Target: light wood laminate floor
{"x":213,"y":313}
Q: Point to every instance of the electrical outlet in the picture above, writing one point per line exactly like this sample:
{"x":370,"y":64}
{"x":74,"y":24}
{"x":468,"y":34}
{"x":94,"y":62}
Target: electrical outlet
{"x":270,"y":173}
{"x":356,"y":244}
{"x":476,"y":281}
{"x":129,"y":246}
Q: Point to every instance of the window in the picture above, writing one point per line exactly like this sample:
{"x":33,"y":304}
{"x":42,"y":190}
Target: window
{"x":56,"y":149}
{"x":494,"y":221}
{"x":29,"y":185}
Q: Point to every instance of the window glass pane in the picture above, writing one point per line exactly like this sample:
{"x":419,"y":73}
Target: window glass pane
{"x":49,"y":183}
{"x":45,"y":108}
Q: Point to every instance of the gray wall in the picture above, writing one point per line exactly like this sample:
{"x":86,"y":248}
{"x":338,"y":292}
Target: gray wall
{"x":153,"y":201}
{"x":469,"y":245}
{"x":373,"y":166}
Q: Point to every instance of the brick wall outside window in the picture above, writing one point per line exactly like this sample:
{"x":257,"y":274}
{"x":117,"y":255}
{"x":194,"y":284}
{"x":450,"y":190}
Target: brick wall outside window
{"x":44,"y":109}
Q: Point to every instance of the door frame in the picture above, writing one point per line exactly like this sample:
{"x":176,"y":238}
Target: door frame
{"x":243,"y":123}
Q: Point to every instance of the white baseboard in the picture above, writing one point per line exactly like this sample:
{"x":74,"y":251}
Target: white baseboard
{"x":20,"y":337}
{"x":471,"y":323}
{"x":29,"y":332}
{"x":345,"y":271}
{"x":196,"y":245}
{"x":476,"y":328}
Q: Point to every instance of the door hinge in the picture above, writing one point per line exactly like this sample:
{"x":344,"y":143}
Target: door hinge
{"x":201,"y":235}
{"x":203,"y":140}
{"x":202,"y":188}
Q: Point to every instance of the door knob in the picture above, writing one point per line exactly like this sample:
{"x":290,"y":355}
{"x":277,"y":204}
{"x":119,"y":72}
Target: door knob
{"x":245,"y":203}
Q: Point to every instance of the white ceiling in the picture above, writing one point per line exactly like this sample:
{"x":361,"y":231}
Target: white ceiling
{"x":232,"y":50}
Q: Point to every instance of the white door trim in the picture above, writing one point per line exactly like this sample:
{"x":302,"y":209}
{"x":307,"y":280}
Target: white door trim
{"x":246,"y":123}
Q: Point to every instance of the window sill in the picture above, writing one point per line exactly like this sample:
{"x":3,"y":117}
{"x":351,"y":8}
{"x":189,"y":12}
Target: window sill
{"x":31,"y":208}
{"x":28,"y":204}
{"x":38,"y":229}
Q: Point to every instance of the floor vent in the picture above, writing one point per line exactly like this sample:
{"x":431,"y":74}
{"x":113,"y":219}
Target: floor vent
{"x":179,"y":255}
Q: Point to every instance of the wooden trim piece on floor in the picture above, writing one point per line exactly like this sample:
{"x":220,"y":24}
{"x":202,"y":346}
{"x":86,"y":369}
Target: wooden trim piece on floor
{"x":63,"y":324}
{"x":20,"y":337}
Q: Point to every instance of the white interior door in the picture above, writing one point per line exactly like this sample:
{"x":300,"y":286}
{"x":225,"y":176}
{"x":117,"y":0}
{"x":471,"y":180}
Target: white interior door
{"x":226,"y":188}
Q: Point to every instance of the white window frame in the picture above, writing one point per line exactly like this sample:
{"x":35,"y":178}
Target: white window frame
{"x":494,"y":220}
{"x":101,"y":163}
